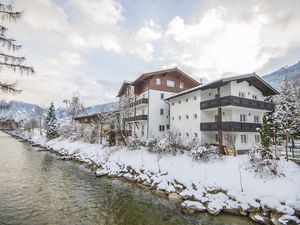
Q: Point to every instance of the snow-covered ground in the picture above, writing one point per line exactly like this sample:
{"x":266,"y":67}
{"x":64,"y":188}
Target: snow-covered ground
{"x":220,"y":183}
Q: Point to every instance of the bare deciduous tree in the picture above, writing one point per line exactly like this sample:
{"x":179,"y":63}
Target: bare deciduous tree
{"x":74,"y":106}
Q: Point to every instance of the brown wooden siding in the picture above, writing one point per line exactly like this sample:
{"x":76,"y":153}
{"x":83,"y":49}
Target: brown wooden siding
{"x":174,"y":76}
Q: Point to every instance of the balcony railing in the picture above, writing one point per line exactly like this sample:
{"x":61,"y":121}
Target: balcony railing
{"x":230,"y":126}
{"x":138,"y":102}
{"x":236,"y":101}
{"x":136,"y":118}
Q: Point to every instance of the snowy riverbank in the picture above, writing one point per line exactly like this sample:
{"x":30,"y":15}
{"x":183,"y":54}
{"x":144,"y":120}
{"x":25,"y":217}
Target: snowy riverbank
{"x":217,"y":185}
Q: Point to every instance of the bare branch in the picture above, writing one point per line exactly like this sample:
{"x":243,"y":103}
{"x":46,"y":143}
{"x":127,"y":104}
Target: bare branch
{"x":9,"y":88}
{"x":2,"y":30}
{"x":8,"y":12}
{"x":11,"y":59}
{"x":22,"y":69}
{"x":9,"y":43}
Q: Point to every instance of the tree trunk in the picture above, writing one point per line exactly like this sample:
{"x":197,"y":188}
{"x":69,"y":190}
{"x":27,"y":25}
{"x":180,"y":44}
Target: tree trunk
{"x":101,"y":128}
{"x":286,"y":147}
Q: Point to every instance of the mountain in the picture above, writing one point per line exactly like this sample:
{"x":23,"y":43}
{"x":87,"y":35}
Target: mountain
{"x":102,"y":107}
{"x":19,"y":111}
{"x":276,"y":78}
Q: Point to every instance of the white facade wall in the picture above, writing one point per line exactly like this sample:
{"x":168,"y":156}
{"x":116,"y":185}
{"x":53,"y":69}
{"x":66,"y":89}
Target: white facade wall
{"x":247,"y":89}
{"x":229,"y":114}
{"x":232,"y":113}
{"x":155,"y":119}
{"x":181,"y":107}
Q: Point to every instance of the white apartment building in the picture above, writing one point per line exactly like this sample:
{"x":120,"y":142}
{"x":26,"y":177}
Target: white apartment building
{"x":142,"y":107}
{"x":225,"y":112}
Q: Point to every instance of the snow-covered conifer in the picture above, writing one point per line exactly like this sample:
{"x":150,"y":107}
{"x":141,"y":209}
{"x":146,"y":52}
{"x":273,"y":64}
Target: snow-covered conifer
{"x":51,"y":123}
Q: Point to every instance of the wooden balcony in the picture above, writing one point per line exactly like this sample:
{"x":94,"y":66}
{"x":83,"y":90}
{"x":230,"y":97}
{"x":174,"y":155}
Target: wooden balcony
{"x":136,"y":118}
{"x":236,"y":101}
{"x":230,"y":126}
{"x":138,"y":102}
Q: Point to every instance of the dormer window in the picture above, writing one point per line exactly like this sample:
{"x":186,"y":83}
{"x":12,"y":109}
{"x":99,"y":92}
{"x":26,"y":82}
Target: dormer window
{"x":181,"y":85}
{"x":170,"y":83}
{"x":242,"y":94}
{"x":158,"y":81}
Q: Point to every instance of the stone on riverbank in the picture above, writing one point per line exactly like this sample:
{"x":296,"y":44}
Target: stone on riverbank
{"x":174,"y":197}
{"x":193,"y":206}
{"x":101,"y":172}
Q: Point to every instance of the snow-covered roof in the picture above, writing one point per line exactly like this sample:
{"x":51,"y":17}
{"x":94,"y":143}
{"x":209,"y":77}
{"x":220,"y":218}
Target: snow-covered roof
{"x":252,"y":78}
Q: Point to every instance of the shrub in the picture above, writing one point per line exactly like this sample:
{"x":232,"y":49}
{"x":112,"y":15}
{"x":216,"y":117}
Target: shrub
{"x":133,"y":143}
{"x":203,"y":151}
{"x":261,"y":163}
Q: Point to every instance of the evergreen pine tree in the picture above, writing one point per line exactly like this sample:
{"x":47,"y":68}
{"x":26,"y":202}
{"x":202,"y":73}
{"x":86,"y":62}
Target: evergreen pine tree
{"x":265,"y":139}
{"x":51,"y":123}
{"x":287,"y":113}
{"x":8,"y":47}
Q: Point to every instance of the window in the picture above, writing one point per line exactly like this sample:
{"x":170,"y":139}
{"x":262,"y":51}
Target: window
{"x":162,"y":112}
{"x":181,"y":85}
{"x":217,"y":137}
{"x":196,"y":134}
{"x":243,"y":138}
{"x":162,"y":95}
{"x":187,"y":134}
{"x":158,"y":81}
{"x":179,"y":117}
{"x":168,"y":127}
{"x":254,"y":97}
{"x":161,"y":127}
{"x":179,"y":102}
{"x":256,"y":138}
{"x":179,"y":134}
{"x":195,"y":115}
{"x":195,"y":97}
{"x":143,"y":130}
{"x":186,"y":99}
{"x":216,"y":118}
{"x":256,"y":119}
{"x":170,"y":83}
{"x":242,"y":94}
{"x":187,"y":117}
{"x":172,"y":117}
{"x":172,"y":103}
{"x":243,"y":118}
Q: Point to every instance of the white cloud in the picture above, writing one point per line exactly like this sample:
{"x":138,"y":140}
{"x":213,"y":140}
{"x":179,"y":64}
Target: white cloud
{"x":58,"y":37}
{"x":99,"y":11}
{"x":141,"y":43}
{"x":210,"y":22}
{"x":223,"y":41}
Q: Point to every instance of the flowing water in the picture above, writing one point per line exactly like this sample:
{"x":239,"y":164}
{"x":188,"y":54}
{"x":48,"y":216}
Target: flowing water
{"x":37,"y":188}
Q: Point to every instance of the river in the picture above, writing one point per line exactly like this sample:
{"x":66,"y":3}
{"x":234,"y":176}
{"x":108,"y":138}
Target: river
{"x":38,"y":188}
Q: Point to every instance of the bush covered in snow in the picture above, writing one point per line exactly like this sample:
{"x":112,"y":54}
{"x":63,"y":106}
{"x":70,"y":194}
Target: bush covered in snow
{"x":71,"y":131}
{"x":90,"y":134}
{"x":133,"y":143}
{"x":203,"y":152}
{"x":262,"y":164}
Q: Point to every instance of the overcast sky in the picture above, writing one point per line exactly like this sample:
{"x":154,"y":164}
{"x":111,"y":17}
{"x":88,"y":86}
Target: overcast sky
{"x":91,"y":46}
